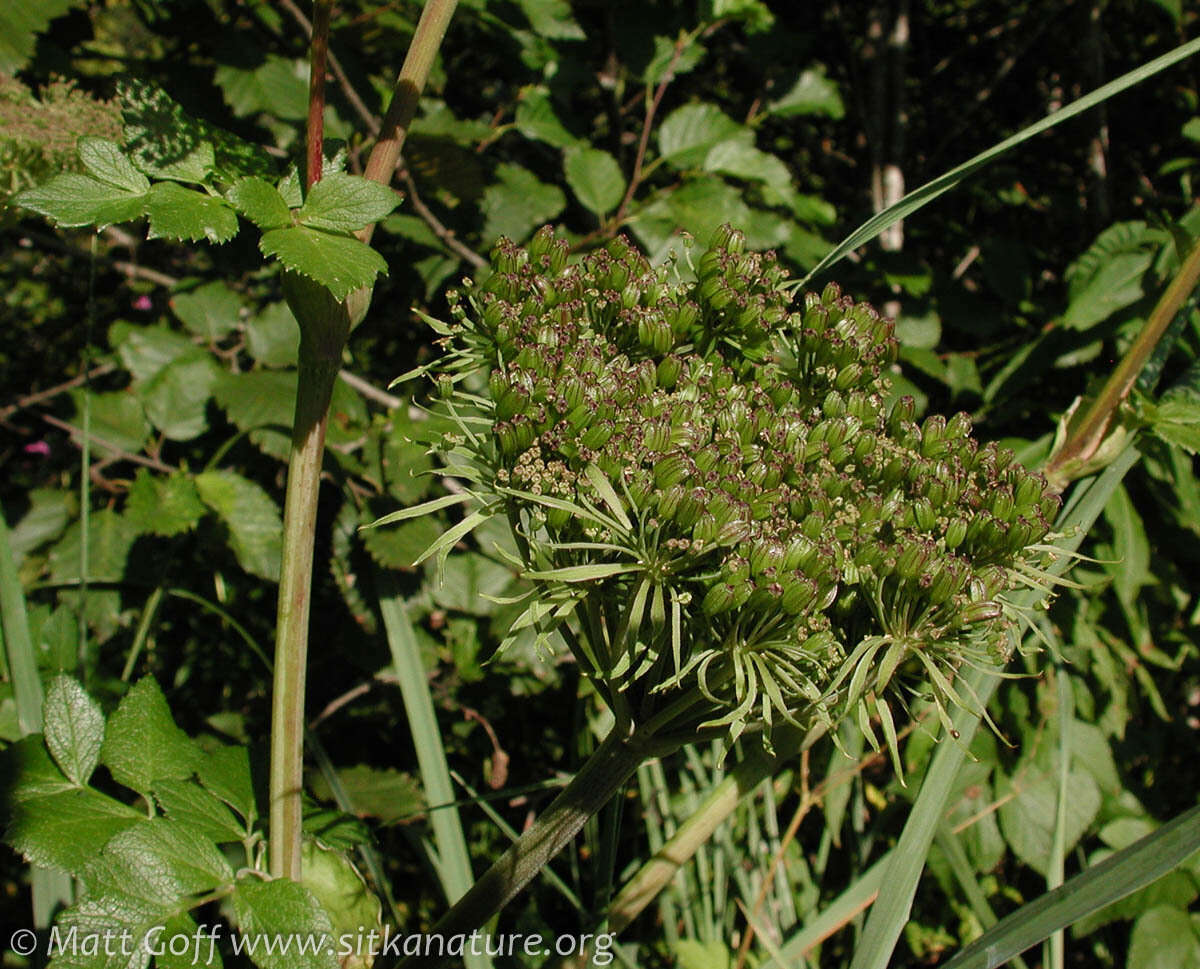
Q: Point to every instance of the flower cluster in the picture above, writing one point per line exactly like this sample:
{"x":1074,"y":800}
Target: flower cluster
{"x":713,"y":480}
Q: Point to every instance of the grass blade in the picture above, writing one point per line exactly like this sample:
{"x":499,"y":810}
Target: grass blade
{"x":454,"y":864}
{"x":18,"y":646}
{"x":1118,"y":875}
{"x":50,"y":889}
{"x":922,"y":196}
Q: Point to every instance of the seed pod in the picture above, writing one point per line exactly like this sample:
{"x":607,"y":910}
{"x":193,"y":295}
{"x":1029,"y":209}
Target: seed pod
{"x":849,"y":376}
{"x":956,"y":531}
{"x":984,"y":611}
{"x":923,"y":514}
{"x":904,"y":411}
{"x":690,"y":507}
{"x":597,"y":434}
{"x":669,"y":499}
{"x":1049,"y":506}
{"x":719,"y":598}
{"x":669,"y":369}
{"x":671,"y":470}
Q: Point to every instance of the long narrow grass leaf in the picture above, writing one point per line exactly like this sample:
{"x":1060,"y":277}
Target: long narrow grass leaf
{"x":455,"y":863}
{"x":18,"y":646}
{"x":1114,"y":878}
{"x":922,"y":196}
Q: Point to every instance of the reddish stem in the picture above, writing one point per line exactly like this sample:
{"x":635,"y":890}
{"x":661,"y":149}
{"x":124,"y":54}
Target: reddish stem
{"x":314,"y":154}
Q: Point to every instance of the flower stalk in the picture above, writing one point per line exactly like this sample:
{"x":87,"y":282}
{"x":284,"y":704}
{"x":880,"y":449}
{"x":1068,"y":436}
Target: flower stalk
{"x":325,"y":325}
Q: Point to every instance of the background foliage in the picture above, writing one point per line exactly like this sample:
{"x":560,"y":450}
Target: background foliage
{"x":1012,"y":295}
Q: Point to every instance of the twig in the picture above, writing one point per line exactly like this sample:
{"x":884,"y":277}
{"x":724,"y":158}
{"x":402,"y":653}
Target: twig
{"x":370,"y":390}
{"x":29,"y":400}
{"x":133,"y":270}
{"x":635,"y":177}
{"x":108,"y":445}
{"x":447,"y":236}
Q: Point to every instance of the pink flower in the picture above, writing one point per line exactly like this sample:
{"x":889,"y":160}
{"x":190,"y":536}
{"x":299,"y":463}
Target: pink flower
{"x":143,"y":303}
{"x":38,"y":447}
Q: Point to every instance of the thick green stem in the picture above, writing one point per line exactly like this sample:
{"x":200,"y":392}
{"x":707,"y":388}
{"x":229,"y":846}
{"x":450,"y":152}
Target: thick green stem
{"x":324,"y":327}
{"x":1071,"y":460}
{"x":602,"y":776}
{"x":406,"y":93}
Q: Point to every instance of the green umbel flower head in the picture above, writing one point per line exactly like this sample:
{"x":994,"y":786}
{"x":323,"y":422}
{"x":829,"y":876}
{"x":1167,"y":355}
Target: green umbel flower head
{"x":721,"y":510}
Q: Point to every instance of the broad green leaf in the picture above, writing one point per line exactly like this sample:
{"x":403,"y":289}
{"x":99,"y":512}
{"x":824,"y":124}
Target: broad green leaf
{"x":1163,"y":938}
{"x":143,"y":744}
{"x":345,"y":897}
{"x":104,"y":160}
{"x":260,"y":202}
{"x":110,"y":536}
{"x":226,"y":772}
{"x":517,"y":203}
{"x":164,"y":505}
{"x":52,"y":821}
{"x":118,"y":419}
{"x":812,"y":94}
{"x":741,"y":159}
{"x":700,"y":207}
{"x":78,"y":200}
{"x":20,"y":23}
{"x":183,"y":213}
{"x":341,"y":264}
{"x":1028,"y":810}
{"x":1176,"y":419}
{"x":50,"y":510}
{"x":595,"y":178}
{"x":260,"y":398}
{"x":74,"y":728}
{"x":664,"y":57}
{"x":166,"y":142}
{"x":537,"y":121}
{"x":159,"y":861}
{"x":405,"y":461}
{"x":1131,"y":548}
{"x":919,"y":332}
{"x":199,"y":809}
{"x":252,"y":517}
{"x":754,"y":14}
{"x":279,"y":86}
{"x":469,"y":577}
{"x":380,"y":792}
{"x":101,"y":924}
{"x":145,"y":350}
{"x":398,"y":546}
{"x":171,"y":952}
{"x":1117,"y":285}
{"x":210,"y":311}
{"x":346,"y":203}
{"x":688,"y":134}
{"x":283,"y":910}
{"x":273,"y":336}
{"x":552,"y":19}
{"x":176,"y":397}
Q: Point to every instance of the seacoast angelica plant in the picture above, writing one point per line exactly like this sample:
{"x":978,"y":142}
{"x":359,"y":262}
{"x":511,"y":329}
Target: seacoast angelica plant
{"x":720,"y":508}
